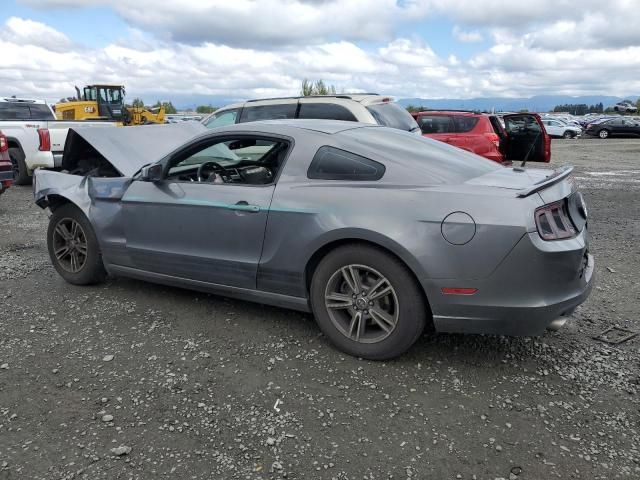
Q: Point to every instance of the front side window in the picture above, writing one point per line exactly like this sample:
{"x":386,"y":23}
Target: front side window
{"x":232,"y":160}
{"x":331,"y":163}
{"x":268,"y":112}
{"x":228,"y":117}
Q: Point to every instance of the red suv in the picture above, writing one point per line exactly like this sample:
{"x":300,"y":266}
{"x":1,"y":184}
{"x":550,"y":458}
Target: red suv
{"x":6,"y":170}
{"x":518,"y":137}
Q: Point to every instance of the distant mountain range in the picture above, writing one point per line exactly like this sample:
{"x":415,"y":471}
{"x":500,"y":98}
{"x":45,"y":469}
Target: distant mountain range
{"x":538,"y":103}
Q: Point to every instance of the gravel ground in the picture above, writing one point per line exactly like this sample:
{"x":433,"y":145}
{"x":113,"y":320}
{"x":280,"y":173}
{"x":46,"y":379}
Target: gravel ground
{"x":132,"y":380}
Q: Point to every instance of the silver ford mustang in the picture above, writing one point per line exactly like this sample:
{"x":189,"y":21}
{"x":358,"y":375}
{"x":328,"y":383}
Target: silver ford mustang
{"x":378,"y":232}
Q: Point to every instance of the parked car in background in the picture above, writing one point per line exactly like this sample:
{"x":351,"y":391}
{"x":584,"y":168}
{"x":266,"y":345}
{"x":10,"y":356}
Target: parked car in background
{"x":559,"y":129}
{"x":625,"y":107}
{"x":377,"y":231}
{"x":36,"y":138}
{"x":6,"y":170}
{"x":522,"y":136}
{"x":614,"y":126}
{"x":364,"y":108}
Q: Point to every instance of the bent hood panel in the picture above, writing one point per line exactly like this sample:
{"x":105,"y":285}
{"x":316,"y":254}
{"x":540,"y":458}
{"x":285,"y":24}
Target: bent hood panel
{"x":128,"y":148}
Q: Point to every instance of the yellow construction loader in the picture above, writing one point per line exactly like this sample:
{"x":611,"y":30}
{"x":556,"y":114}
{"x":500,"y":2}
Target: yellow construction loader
{"x":106,"y":102}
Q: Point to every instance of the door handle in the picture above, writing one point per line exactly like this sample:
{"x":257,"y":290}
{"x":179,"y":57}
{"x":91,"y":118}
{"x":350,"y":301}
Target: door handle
{"x":245,"y":207}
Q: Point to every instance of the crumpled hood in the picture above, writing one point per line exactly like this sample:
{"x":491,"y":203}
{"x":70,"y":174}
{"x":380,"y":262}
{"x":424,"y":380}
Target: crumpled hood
{"x":511,"y":178}
{"x":128,"y":148}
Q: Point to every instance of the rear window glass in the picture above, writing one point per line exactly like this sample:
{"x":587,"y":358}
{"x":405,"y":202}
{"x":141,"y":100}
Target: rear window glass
{"x":521,"y":124}
{"x":331,"y":163}
{"x":268,"y":112}
{"x":465,"y":124}
{"x":325,"y":111}
{"x":425,"y":157}
{"x":392,"y":115}
{"x":25,"y":111}
{"x":14,"y":111}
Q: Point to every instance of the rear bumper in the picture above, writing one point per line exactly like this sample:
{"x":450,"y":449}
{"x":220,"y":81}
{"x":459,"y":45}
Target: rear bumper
{"x":528,"y":291}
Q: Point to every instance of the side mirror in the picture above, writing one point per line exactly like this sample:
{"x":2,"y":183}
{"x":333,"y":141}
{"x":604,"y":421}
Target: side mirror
{"x":151,"y":173}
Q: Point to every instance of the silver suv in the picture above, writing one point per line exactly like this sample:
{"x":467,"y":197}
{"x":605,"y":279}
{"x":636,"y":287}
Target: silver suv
{"x":364,"y":107}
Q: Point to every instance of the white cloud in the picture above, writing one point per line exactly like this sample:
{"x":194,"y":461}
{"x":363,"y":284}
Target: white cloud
{"x":19,"y":30}
{"x":467,"y":36}
{"x":248,"y":49}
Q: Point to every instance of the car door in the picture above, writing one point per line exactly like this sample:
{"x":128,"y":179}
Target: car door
{"x":527,"y":138}
{"x":204,"y":230}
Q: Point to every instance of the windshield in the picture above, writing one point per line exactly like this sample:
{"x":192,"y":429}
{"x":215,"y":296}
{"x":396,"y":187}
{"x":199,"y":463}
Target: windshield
{"x":393,"y":115}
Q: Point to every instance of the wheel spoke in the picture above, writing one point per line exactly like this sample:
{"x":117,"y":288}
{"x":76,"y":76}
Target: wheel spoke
{"x":63,"y":231}
{"x":74,"y":261}
{"x":351,"y":275}
{"x":375,"y":292}
{"x":82,"y":248}
{"x":61,"y":252}
{"x":382,"y":318}
{"x":74,"y":230}
{"x":355,"y":325}
{"x":338,"y":300}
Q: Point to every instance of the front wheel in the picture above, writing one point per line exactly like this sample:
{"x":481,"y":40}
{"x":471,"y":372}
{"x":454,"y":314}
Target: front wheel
{"x":73,"y":247}
{"x":367,"y":302}
{"x":603,"y":133}
{"x":568,"y":134}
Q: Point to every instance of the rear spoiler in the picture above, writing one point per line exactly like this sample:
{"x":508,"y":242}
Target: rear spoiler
{"x":556,"y":177}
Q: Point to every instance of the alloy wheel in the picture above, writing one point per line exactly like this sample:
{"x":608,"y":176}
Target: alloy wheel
{"x":70,"y":245}
{"x":604,"y":133}
{"x":362,"y":303}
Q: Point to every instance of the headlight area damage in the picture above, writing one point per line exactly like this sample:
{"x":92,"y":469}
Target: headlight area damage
{"x":98,"y":163}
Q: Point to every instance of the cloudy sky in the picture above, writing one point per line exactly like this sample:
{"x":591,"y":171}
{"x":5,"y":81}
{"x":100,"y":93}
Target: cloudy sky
{"x":255,"y":48}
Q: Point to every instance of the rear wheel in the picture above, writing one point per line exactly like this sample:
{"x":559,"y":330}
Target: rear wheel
{"x":73,"y":247}
{"x":20,"y":172}
{"x":603,"y":133}
{"x":367,"y":302}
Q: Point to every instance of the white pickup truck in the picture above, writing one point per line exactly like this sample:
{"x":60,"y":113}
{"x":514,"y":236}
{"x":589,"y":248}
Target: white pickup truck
{"x":36,"y":139}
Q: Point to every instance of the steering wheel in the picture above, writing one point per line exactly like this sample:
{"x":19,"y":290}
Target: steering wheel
{"x":202,"y":166}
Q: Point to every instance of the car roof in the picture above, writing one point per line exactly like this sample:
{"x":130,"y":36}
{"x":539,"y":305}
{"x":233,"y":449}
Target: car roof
{"x":363,"y":98}
{"x":450,"y":112}
{"x":329,"y":127}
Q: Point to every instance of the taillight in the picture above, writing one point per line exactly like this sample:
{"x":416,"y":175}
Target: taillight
{"x":4,"y":144}
{"x":493,"y":138}
{"x":45,"y":140}
{"x":553,"y":222}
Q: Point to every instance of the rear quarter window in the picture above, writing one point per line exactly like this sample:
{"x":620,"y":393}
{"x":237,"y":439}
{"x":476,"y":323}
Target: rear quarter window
{"x":41,"y":112}
{"x":392,"y":115}
{"x":268,"y":112}
{"x":325,"y":111}
{"x":331,"y":163}
{"x":465,"y":124}
{"x":436,"y":124}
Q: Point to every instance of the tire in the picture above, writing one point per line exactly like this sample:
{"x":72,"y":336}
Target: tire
{"x":568,"y":134}
{"x":20,"y":173}
{"x":404,"y":303}
{"x":603,"y":133}
{"x":89,"y":267}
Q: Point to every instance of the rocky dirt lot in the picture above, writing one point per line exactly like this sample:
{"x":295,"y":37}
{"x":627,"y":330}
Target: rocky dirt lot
{"x":129,"y":380}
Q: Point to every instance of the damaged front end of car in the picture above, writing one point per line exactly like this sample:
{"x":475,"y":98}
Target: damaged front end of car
{"x":98,"y":164}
